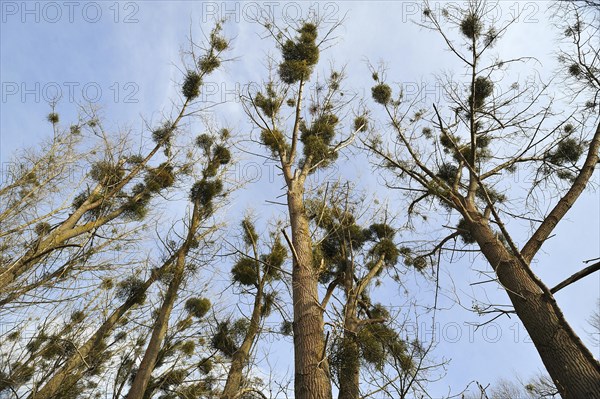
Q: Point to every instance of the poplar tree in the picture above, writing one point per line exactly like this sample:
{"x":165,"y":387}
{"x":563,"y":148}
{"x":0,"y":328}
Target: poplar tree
{"x":254,"y":271}
{"x":463,"y":159}
{"x":309,"y":143}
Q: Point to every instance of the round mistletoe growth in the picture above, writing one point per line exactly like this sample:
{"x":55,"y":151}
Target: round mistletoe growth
{"x":53,"y":117}
{"x":274,"y":139}
{"x":382,"y":93}
{"x":471,"y":26}
{"x":191,"y":85}
{"x":209,"y":63}
{"x":204,"y":191}
{"x":245,"y":272}
{"x":448,"y":172}
{"x":219,"y":43}
{"x":159,"y":178}
{"x":361,"y":124}
{"x":163,"y":134}
{"x":574,"y":70}
{"x":483,"y":89}
{"x":221,"y":155}
{"x":204,"y":141}
{"x":568,"y":151}
{"x":197,"y":307}
{"x":42,"y":228}
{"x":299,"y":56}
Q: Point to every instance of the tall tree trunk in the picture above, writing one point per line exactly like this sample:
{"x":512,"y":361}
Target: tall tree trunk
{"x":312,"y":380}
{"x":159,"y":331}
{"x":240,"y":358}
{"x":570,"y":364}
{"x":349,"y":368}
{"x":350,"y":363}
{"x":349,"y":373}
{"x":142,"y":377}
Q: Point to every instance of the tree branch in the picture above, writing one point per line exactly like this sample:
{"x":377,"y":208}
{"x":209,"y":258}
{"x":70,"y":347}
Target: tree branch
{"x":566,"y":202}
{"x":576,"y":277}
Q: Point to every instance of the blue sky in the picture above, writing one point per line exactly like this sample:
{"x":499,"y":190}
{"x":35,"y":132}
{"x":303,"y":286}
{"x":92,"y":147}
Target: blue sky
{"x":126,"y":57}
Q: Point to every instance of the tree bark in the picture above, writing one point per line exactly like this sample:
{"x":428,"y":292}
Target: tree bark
{"x":312,"y":379}
{"x":240,"y":358}
{"x":570,"y":364}
{"x":142,"y":377}
{"x":349,"y":371}
{"x":159,"y":331}
{"x":349,"y":374}
{"x":350,"y":368}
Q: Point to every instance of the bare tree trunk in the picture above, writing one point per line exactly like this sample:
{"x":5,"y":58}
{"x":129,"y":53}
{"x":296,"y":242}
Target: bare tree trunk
{"x":350,"y":363}
{"x":144,"y":372}
{"x":159,"y":331}
{"x":570,"y":364}
{"x":240,"y":358}
{"x":312,"y":380}
{"x":349,"y":374}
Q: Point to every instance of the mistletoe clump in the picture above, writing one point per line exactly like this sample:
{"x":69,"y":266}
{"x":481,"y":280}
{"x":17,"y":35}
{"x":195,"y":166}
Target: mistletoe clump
{"x":209,"y":63}
{"x":132,"y":289}
{"x":245,"y":272}
{"x":383,"y":235}
{"x":205,"y":365}
{"x":274,"y":140}
{"x":227,"y":336}
{"x":205,"y":142}
{"x":268,"y":302}
{"x":204,"y":191}
{"x":568,"y":151}
{"x":159,"y":178}
{"x":483,"y":88}
{"x":163,"y":134}
{"x":270,"y":103}
{"x":136,"y":206}
{"x":575,"y":70}
{"x":317,"y":139}
{"x":191,"y":85}
{"x":197,"y":307}
{"x":382,"y":231}
{"x":300,"y":55}
{"x":249,"y":232}
{"x":361,"y":123}
{"x":274,"y":260}
{"x":465,"y":233}
{"x":448,"y":173}
{"x":53,"y":118}
{"x":345,"y":355}
{"x":221,"y":155}
{"x":378,"y":342}
{"x":387,"y":249}
{"x":218,"y":42}
{"x":42,"y":228}
{"x":107,"y":173}
{"x":471,"y":26}
{"x":381,"y":93}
